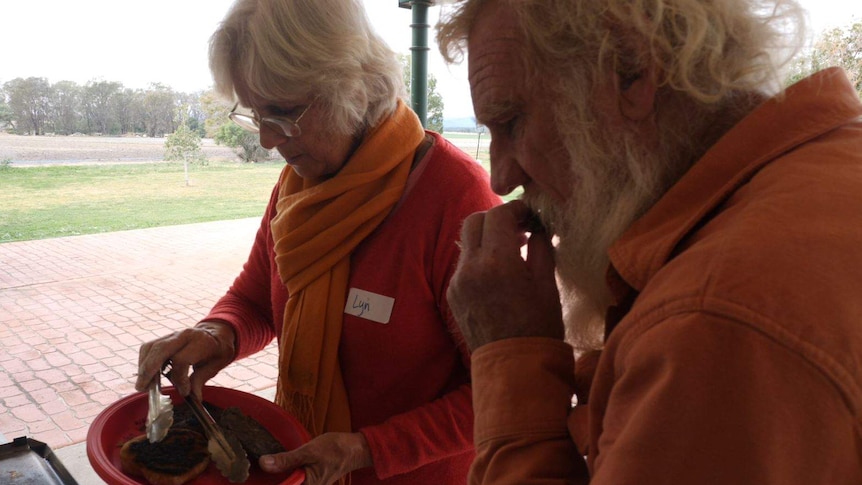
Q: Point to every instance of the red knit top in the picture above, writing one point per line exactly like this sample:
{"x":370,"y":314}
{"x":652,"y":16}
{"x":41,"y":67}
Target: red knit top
{"x":407,"y":379}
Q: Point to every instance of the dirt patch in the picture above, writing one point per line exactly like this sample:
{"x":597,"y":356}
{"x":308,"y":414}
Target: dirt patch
{"x":24,"y":150}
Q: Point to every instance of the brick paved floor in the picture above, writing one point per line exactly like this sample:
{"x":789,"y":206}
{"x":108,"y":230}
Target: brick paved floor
{"x":74,"y":311}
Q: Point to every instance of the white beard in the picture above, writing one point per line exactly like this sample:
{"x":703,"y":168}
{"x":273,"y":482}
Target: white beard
{"x":614,"y":185}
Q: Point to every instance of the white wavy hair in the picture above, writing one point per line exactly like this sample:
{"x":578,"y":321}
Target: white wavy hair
{"x":705,"y":48}
{"x":290,"y":50}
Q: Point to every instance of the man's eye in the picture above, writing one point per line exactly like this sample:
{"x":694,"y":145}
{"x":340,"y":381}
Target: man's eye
{"x":509,"y":126}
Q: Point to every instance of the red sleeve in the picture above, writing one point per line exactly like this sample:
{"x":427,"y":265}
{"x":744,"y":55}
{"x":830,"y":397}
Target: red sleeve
{"x":423,"y":435}
{"x":474,"y":196}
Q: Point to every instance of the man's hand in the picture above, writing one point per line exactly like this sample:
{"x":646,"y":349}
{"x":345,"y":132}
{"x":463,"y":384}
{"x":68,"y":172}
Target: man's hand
{"x":495,"y":293}
{"x":326,"y":458}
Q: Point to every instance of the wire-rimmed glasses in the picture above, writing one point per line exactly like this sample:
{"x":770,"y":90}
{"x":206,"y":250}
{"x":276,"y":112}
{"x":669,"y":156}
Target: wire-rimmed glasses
{"x":280,"y":124}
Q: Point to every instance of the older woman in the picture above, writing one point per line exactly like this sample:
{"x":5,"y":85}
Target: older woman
{"x":352,"y":260}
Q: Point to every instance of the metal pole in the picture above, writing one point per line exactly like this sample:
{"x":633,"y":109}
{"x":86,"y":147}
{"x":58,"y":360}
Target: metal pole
{"x":419,"y":59}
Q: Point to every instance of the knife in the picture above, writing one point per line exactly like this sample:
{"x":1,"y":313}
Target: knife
{"x":224,"y":448}
{"x":160,"y":412}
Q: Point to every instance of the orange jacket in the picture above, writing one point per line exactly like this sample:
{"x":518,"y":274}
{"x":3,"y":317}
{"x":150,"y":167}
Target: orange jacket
{"x":739,"y":360}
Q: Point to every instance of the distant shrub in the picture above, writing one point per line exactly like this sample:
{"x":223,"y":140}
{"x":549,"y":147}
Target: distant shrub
{"x":184,"y":145}
{"x":245,"y":144}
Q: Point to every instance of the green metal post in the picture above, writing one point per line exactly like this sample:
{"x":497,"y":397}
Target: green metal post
{"x":419,"y":59}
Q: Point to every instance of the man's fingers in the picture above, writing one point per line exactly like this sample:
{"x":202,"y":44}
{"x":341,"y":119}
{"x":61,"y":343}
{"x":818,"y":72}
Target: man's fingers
{"x":504,"y":227}
{"x":501,"y":227}
{"x":471,"y":232}
{"x":540,"y":255}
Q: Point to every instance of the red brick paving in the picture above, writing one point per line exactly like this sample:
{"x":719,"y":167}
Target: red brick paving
{"x":74,"y":310}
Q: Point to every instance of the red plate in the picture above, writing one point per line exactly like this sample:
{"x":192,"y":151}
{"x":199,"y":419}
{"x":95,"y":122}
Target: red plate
{"x":126,"y":418}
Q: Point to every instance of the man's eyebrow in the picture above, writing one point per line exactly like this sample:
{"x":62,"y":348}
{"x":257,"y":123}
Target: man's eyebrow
{"x":495,"y":112}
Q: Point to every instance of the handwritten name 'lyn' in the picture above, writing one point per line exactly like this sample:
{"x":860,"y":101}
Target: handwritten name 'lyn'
{"x":361,"y":305}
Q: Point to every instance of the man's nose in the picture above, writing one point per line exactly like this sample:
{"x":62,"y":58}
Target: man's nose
{"x":506,"y":172}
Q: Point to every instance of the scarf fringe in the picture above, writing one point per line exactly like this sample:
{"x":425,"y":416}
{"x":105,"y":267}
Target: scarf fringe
{"x":301,"y":407}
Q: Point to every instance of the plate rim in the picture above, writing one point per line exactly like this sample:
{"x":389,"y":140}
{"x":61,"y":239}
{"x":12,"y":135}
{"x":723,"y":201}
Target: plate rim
{"x":98,"y":457}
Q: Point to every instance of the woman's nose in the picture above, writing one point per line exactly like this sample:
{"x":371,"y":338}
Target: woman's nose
{"x":271,"y":138}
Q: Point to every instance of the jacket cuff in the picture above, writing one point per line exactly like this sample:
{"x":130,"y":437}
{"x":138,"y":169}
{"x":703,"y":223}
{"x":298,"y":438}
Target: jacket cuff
{"x":522,"y":385}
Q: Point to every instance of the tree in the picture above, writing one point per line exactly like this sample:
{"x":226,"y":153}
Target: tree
{"x":223,"y":131}
{"x":30,"y":101}
{"x":435,"y":106}
{"x":836,"y":47}
{"x":96,"y":100}
{"x":194,"y":114}
{"x":158,"y":109}
{"x":65,"y":115}
{"x":6,"y":115}
{"x":246,"y":145}
{"x":125,"y":108}
{"x":184,"y":145}
{"x":214,"y":112}
{"x":434,"y":121}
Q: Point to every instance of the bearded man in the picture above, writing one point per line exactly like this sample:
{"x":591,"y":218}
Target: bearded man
{"x":701,"y":226}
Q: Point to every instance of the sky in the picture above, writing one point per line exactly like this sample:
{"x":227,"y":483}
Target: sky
{"x":165,"y":41}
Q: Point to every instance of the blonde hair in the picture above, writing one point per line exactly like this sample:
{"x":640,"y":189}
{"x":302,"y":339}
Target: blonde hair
{"x":289,"y":50}
{"x":706,"y":49}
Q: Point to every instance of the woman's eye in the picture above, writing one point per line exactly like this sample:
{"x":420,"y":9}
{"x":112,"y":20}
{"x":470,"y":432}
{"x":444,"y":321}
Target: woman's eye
{"x":279,"y":112}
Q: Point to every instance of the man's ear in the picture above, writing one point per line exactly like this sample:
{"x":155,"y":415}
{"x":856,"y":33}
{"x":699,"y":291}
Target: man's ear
{"x":637,"y":94}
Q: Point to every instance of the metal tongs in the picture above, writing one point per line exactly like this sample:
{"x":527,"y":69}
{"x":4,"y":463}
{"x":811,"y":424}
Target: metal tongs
{"x":224,"y":448}
{"x":160,"y":412}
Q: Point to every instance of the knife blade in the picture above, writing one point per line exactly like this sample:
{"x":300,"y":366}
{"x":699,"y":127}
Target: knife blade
{"x":225,"y":449}
{"x":160,"y":412}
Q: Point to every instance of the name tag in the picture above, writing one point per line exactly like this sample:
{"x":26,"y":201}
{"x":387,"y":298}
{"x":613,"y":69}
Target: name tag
{"x":370,"y":306}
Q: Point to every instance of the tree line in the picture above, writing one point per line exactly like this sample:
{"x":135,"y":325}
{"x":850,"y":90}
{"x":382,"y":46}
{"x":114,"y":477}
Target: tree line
{"x":33,"y":106}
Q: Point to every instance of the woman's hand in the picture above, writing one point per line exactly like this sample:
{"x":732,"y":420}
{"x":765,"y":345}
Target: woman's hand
{"x":326,"y":458}
{"x":207,"y":347}
{"x":495,"y":293}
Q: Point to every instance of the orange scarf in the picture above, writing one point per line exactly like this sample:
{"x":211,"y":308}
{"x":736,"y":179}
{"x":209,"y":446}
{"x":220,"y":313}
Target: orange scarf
{"x":317,"y":226}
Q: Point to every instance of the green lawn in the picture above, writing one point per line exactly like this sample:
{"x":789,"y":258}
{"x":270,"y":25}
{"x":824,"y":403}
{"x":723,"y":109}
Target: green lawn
{"x":46,"y":202}
{"x":55,"y":201}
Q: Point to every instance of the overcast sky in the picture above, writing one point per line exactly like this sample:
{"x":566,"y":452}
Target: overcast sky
{"x":165,"y":41}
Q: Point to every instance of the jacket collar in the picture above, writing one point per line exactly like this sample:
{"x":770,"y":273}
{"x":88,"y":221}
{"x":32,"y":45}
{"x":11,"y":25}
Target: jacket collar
{"x":827,"y":99}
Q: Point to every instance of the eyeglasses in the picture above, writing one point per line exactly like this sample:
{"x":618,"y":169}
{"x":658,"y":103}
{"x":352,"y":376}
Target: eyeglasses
{"x":279,"y":124}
